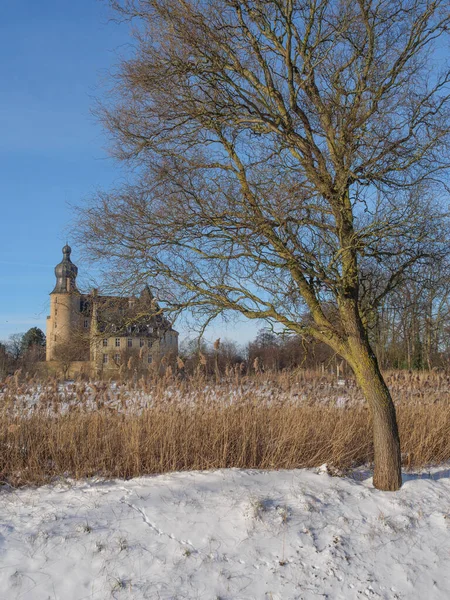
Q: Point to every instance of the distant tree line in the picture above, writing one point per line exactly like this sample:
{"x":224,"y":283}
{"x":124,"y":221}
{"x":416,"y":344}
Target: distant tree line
{"x":22,"y":351}
{"x":409,"y":330}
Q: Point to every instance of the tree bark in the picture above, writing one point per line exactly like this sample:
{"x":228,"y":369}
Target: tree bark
{"x":386,"y":441}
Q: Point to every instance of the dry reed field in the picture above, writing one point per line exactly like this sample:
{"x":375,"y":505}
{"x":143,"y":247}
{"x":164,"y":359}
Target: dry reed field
{"x":266,"y":421}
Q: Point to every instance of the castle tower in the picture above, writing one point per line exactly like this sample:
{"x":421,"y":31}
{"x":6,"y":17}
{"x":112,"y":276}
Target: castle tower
{"x":64,"y":304}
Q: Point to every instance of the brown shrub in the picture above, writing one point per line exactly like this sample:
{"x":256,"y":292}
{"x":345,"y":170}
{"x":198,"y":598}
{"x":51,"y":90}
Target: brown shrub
{"x":266,"y":424}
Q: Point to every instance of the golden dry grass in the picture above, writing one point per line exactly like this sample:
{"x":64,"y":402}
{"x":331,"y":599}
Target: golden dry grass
{"x":266,"y":422}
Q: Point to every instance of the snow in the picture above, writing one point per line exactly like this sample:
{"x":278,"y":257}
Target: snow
{"x":228,"y":534}
{"x":21,"y":399}
{"x":58,"y":399}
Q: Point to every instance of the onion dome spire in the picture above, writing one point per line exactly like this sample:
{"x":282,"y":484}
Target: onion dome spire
{"x":66,"y":273}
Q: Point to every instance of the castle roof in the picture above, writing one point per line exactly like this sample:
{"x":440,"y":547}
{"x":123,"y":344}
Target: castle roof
{"x":66,"y":273}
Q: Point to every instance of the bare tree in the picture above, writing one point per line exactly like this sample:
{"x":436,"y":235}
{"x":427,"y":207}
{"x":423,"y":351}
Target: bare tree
{"x":281,"y":150}
{"x":70,"y":351}
{"x":409,"y":328}
{"x":5,"y":362}
{"x":14,"y":346}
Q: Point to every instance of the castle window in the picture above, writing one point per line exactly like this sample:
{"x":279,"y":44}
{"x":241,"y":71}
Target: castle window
{"x":117,"y":342}
{"x":149,"y":359}
{"x":130,"y":342}
{"x":56,"y":300}
{"x":105,"y":359}
{"x":56,"y":310}
{"x":141,"y":343}
{"x":105,"y":343}
{"x":86,"y":322}
{"x":149,"y":343}
{"x":117,"y":358}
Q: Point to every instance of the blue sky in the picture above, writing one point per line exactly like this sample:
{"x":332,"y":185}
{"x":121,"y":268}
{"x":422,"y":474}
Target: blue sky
{"x":56,"y":55}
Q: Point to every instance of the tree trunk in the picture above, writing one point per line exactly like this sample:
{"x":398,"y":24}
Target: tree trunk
{"x":386,"y":442}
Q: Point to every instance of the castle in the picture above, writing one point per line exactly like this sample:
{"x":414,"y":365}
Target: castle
{"x":97,"y":334}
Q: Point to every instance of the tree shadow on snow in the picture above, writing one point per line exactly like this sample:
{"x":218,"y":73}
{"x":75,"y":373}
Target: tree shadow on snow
{"x":364,"y":473}
{"x":442,"y":474}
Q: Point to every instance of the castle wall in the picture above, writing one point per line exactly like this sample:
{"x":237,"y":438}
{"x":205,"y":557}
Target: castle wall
{"x":113,"y":351}
{"x":76,"y":368}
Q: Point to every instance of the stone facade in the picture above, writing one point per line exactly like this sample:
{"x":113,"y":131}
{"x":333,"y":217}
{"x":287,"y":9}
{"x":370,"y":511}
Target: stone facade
{"x":105,"y":332}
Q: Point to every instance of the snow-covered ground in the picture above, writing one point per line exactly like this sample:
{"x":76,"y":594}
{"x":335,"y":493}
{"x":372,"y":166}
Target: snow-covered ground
{"x":227,"y":534}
